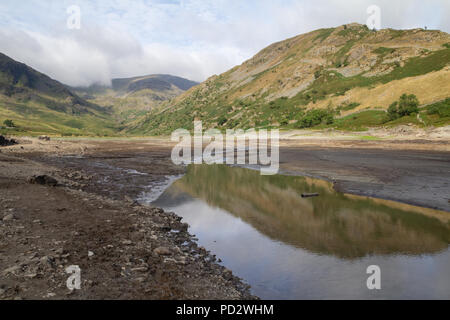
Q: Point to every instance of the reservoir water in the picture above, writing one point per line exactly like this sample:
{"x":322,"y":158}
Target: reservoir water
{"x":289,"y":247}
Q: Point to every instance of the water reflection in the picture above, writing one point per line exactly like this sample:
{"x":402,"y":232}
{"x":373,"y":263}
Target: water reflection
{"x":333,"y":223}
{"x":289,"y":247}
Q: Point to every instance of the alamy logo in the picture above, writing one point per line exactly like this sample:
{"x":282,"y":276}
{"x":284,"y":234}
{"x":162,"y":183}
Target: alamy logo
{"x":229,"y":149}
{"x":374,"y":19}
{"x":74,"y":19}
{"x":74,"y":281}
{"x":374,"y":281}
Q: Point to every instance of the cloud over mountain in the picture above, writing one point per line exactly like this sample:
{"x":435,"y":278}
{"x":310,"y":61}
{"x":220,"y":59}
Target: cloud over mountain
{"x":190,"y":38}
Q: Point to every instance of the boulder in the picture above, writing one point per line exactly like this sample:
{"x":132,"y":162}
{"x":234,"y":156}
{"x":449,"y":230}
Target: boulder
{"x":44,"y":138}
{"x":162,"y":251}
{"x":43,"y":180}
{"x":9,"y":217}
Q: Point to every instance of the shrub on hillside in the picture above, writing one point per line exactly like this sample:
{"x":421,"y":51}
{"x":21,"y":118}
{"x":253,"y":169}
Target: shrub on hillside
{"x":407,"y":105}
{"x":9,"y":123}
{"x":442,"y":109}
{"x":392,"y":111}
{"x":222,"y":120}
{"x":315,"y":117}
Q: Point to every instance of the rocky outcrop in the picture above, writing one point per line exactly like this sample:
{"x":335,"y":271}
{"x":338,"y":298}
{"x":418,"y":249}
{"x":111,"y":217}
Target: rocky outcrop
{"x":7,"y":142}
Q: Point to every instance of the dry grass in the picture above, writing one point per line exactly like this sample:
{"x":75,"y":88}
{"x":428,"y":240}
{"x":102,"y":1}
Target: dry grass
{"x":431,"y":87}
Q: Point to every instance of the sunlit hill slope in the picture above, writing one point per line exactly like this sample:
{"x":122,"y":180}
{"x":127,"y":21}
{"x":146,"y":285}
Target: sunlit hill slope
{"x":350,"y":74}
{"x":37,"y":104}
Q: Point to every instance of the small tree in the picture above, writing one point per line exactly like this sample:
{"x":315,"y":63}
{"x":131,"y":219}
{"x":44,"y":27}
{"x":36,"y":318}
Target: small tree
{"x":408,"y":105}
{"x":393,"y":111}
{"x":329,"y":119}
{"x":9,"y":123}
{"x":222,"y":120}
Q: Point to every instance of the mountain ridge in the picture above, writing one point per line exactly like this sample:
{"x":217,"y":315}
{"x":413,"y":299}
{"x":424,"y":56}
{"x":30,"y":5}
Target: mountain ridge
{"x":135,"y":96}
{"x":346,"y":78}
{"x":332,"y":67}
{"x":38,"y":104}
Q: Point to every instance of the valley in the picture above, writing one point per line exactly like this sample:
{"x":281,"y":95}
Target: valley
{"x":109,"y":191}
{"x":344,"y":78}
{"x":88,"y":177}
{"x":36,"y":104}
{"x":132,"y":98}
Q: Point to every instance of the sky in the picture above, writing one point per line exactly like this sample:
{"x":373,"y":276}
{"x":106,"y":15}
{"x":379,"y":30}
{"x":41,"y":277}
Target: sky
{"x":194,"y":39}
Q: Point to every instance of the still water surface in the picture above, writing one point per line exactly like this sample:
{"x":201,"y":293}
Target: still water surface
{"x":289,"y":247}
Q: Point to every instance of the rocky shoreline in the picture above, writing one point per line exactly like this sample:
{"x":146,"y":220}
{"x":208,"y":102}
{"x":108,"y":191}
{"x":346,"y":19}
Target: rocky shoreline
{"x":124,"y":250}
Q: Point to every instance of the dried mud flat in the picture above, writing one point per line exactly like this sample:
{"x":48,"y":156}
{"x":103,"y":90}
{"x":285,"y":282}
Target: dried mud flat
{"x":415,"y":177}
{"x":129,"y":251}
{"x":124,"y":250}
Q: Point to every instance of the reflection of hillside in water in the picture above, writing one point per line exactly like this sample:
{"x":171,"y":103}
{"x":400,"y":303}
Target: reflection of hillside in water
{"x":334,"y":223}
{"x":173,"y":197}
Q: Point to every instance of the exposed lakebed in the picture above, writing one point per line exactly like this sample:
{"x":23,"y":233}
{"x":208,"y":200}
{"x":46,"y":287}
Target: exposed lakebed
{"x":283,"y":245}
{"x":289,"y":247}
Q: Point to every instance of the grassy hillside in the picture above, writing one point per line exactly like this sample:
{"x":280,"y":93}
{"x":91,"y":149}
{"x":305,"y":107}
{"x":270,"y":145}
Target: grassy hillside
{"x":339,"y":71}
{"x":34,"y":118}
{"x":37,"y":104}
{"x":344,"y":78}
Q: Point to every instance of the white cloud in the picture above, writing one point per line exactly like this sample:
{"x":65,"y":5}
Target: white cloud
{"x":189,"y":38}
{"x":98,"y":56}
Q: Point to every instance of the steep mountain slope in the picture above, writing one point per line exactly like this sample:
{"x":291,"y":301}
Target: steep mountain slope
{"x":341,"y":71}
{"x":131,"y":97}
{"x":38,"y":104}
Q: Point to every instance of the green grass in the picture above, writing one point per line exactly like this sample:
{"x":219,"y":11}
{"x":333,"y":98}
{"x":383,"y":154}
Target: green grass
{"x":341,"y":55}
{"x":437,"y":114}
{"x":348,"y":107}
{"x":383,"y":51}
{"x":441,"y":108}
{"x":74,"y":124}
{"x":418,"y":66}
{"x":348,"y":32}
{"x":370,"y":138}
{"x":360,"y":121}
{"x":34,"y":119}
{"x":411,"y":119}
{"x":413,"y":67}
{"x":323,"y":34}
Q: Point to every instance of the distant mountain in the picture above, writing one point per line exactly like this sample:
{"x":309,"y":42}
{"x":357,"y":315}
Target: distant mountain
{"x":133,"y":97}
{"x":344,"y":77}
{"x":157,"y":82}
{"x":37,"y":103}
